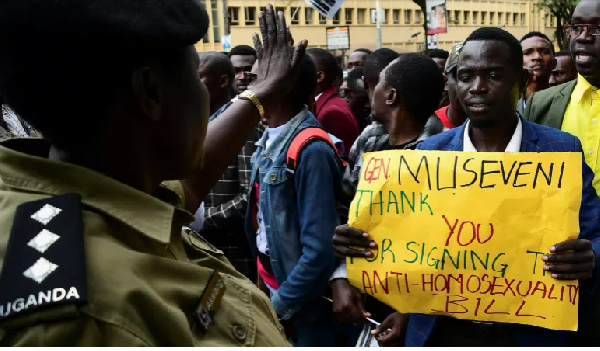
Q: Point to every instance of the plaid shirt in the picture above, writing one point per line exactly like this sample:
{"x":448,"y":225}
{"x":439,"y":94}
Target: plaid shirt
{"x":225,"y":207}
{"x":13,"y":126}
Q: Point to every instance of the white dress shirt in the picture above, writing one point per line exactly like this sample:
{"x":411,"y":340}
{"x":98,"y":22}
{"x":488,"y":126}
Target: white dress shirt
{"x":514,"y":145}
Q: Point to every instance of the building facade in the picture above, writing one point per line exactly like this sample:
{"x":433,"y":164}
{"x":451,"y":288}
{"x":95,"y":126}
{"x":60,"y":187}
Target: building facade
{"x":402,"y":22}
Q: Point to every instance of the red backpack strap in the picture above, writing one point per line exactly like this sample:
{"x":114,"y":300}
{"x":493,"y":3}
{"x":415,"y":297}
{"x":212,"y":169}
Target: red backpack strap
{"x":305,"y":137}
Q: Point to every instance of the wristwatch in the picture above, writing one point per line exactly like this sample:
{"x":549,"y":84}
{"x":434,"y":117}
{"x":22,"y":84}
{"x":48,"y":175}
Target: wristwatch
{"x":249,"y":95}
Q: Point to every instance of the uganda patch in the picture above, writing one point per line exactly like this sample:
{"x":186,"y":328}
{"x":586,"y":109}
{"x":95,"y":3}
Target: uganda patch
{"x":45,"y":261}
{"x":210,"y":301}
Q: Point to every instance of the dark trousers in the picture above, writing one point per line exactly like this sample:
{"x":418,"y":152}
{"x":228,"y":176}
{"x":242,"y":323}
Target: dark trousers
{"x":450,"y":332}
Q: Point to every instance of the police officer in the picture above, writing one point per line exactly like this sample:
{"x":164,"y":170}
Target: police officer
{"x":92,"y":250}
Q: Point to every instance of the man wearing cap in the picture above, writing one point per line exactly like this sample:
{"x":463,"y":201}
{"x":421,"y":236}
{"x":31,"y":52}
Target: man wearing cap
{"x":452,"y":115}
{"x":92,"y":251}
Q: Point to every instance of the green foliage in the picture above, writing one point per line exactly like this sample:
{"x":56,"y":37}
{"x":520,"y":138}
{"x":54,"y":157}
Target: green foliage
{"x":562,"y":10}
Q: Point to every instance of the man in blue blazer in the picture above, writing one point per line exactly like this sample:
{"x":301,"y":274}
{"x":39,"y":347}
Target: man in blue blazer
{"x":490,"y":79}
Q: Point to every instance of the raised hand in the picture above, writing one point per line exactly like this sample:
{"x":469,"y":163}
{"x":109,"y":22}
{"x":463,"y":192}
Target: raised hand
{"x":278,"y":62}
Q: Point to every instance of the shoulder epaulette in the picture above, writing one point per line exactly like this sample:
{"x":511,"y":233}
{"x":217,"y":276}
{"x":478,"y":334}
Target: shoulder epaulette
{"x":44,"y":264}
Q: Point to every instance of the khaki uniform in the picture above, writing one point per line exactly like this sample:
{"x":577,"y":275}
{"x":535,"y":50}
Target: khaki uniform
{"x":144,"y":275}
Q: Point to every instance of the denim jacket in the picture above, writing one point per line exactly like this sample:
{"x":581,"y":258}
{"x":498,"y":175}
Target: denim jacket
{"x":299,"y":213}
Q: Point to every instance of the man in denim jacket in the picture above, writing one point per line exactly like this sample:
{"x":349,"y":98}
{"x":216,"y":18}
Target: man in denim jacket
{"x":292,"y":217}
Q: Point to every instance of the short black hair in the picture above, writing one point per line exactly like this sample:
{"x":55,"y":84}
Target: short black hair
{"x":438,"y":53}
{"x":355,"y":75}
{"x":563,"y":53}
{"x":376,"y":62}
{"x":536,"y":34}
{"x":419,"y":82}
{"x":243,"y":50}
{"x":306,"y":83}
{"x":366,"y":51}
{"x":499,"y":34}
{"x":325,"y":61}
{"x":219,"y":62}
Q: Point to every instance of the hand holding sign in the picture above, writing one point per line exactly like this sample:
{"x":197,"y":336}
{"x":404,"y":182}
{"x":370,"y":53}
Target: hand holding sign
{"x":571,"y":260}
{"x":348,"y":240}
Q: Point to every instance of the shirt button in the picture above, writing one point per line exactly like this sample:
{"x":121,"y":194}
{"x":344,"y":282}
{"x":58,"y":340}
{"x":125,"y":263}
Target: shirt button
{"x":590,"y":153}
{"x":594,"y":121}
{"x":239,"y":333}
{"x":273,"y":177}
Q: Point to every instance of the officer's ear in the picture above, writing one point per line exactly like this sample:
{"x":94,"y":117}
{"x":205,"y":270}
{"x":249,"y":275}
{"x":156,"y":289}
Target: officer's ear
{"x":224,"y":81}
{"x":146,"y":92}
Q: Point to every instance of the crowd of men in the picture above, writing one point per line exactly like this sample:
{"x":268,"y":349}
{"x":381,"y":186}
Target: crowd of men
{"x":124,"y":130}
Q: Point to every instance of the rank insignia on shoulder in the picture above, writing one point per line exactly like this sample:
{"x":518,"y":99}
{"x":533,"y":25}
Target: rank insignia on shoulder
{"x":210,"y":301}
{"x":44,"y":264}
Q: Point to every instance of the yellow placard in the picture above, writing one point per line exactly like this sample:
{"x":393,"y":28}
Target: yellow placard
{"x":463,"y":233}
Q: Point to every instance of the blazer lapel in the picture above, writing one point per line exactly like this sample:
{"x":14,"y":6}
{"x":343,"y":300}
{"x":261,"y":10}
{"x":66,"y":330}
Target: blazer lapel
{"x":456,"y":144}
{"x":556,"y":114}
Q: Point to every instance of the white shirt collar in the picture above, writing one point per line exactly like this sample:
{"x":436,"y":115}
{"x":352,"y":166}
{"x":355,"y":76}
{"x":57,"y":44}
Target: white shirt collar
{"x":514,"y":145}
{"x":318,"y":96}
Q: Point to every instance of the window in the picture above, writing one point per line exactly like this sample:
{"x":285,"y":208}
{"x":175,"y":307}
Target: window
{"x":492,"y":18}
{"x":250,"y":15}
{"x":322,"y":19}
{"x":456,"y":18}
{"x":418,"y":17}
{"x":294,"y":15}
{"x":205,"y":38}
{"x":360,"y":16}
{"x":475,"y":17}
{"x":500,"y":17}
{"x":336,"y":17}
{"x":308,"y":15}
{"x":507,"y":18}
{"x":465,"y":17}
{"x":396,"y":16}
{"x":215,"y":21}
{"x":349,"y":16}
{"x":282,"y":9}
{"x":234,"y":13}
{"x":522,"y":19}
{"x":515,"y":19}
{"x":407,"y":16}
{"x":484,"y":18}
